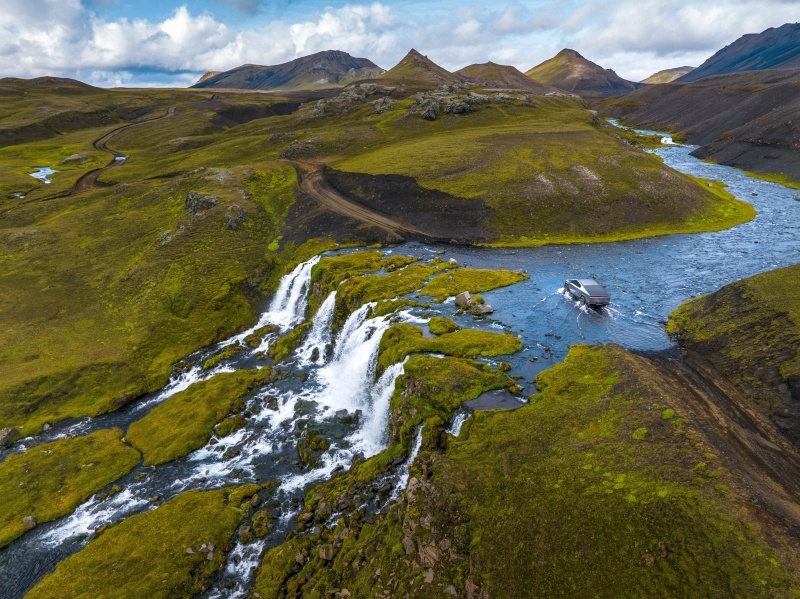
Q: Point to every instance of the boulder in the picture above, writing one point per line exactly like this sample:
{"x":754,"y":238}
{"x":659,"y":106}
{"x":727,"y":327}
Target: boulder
{"x":235,"y":217}
{"x":29,"y":522}
{"x":197,"y":202}
{"x":6,"y":435}
{"x":481,"y":309}
{"x":463,"y":298}
{"x":326,"y":552}
{"x":453,"y":262}
{"x":80,"y":157}
{"x":430,"y":110}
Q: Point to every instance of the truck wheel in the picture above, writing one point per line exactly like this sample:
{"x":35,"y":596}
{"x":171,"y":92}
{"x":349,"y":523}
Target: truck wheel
{"x":583,"y":301}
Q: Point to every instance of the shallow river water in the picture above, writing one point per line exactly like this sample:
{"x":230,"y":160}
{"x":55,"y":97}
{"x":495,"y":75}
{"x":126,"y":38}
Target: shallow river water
{"x":646,"y":278}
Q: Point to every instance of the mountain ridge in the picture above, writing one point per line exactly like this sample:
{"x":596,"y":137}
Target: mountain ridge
{"x":329,"y":68}
{"x":773,"y":48}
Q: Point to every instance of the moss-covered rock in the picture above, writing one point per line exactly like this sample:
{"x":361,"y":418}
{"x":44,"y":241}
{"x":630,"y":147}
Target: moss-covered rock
{"x":169,"y":552}
{"x":51,"y":480}
{"x":474,"y":280}
{"x":184,"y":422}
{"x":439,"y":325}
{"x":404,"y":339}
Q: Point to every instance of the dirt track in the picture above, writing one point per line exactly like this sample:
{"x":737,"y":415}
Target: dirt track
{"x":768,"y":465}
{"x":89,"y":180}
{"x":312,"y":182}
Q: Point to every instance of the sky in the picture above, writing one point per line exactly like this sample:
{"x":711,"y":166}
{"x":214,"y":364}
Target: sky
{"x":143,"y":43}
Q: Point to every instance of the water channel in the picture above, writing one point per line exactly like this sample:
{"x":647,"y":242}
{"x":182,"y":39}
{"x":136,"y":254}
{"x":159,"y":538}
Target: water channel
{"x":647,"y":280}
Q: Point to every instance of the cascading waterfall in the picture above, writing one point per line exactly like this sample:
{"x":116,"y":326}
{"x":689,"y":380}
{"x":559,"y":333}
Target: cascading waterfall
{"x":321,"y":335}
{"x":458,"y":421}
{"x":405,"y":470}
{"x":289,"y":305}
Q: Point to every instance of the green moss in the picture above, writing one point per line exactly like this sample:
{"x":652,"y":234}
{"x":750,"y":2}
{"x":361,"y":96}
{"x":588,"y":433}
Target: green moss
{"x":439,"y":325}
{"x":183,"y":422}
{"x":228,"y":352}
{"x":51,"y":480}
{"x":147,"y":554}
{"x":668,"y":414}
{"x":779,"y":178}
{"x":287,"y":344}
{"x":474,"y":280}
{"x":404,"y":339}
{"x":567,"y":465}
{"x":640,"y":434}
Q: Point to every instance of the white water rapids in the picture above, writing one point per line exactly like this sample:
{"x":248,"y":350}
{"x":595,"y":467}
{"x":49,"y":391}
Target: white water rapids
{"x":341,"y":382}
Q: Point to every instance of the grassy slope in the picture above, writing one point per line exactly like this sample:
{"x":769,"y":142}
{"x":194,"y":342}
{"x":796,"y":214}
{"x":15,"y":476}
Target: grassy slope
{"x":183,"y":422}
{"x":51,"y":480}
{"x":102,"y":292}
{"x":751,"y":331}
{"x":600,"y":488}
{"x":548,"y":171}
{"x":145,"y":556}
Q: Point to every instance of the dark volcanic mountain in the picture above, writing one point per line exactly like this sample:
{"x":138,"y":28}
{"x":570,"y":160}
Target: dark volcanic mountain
{"x":774,"y":48}
{"x":418,"y":68}
{"x":748,"y":119}
{"x":330,"y":68}
{"x":667,"y":75}
{"x":503,"y":77}
{"x":569,"y":71}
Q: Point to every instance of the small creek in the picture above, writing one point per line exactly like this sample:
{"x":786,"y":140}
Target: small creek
{"x":43,"y":173}
{"x":646,"y":278}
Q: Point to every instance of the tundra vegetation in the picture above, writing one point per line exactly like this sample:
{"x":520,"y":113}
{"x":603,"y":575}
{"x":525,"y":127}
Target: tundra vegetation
{"x":104,"y":288}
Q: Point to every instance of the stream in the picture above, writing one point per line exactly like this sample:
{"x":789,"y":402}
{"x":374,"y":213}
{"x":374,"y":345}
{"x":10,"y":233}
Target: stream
{"x":330,"y":382}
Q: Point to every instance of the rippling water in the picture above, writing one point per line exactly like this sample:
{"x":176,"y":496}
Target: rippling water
{"x":646,"y":278}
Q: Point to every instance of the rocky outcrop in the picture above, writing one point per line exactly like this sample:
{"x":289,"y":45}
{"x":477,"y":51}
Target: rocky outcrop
{"x":7,"y":435}
{"x":197,"y":202}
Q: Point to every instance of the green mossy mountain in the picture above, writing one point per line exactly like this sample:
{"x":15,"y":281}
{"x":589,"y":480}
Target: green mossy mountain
{"x":416,"y":68}
{"x":667,"y":75}
{"x":501,"y":76}
{"x":571,"y":72}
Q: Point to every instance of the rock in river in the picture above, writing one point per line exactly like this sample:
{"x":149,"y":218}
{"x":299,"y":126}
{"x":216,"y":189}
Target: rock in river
{"x":6,"y":434}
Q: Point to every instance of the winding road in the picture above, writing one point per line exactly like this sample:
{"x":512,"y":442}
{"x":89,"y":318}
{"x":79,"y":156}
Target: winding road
{"x":311,"y":180}
{"x":89,"y":180}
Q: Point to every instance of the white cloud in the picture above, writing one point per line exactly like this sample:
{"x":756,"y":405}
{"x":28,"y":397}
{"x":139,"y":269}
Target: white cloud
{"x":634,"y":37}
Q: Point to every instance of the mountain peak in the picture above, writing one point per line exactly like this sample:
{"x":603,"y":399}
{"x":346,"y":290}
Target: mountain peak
{"x":417,"y":67}
{"x":503,"y":77}
{"x":569,"y":71}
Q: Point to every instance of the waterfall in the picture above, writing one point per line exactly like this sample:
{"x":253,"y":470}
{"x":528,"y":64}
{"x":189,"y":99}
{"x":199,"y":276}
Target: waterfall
{"x":289,"y":305}
{"x":321,"y":334}
{"x":404,"y":470}
{"x":458,"y":421}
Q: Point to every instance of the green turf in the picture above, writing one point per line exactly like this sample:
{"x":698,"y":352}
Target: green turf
{"x":49,"y":481}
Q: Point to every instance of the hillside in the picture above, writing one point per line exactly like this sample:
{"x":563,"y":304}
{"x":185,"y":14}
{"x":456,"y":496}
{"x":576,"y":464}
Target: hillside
{"x":503,"y":77}
{"x":667,"y":75}
{"x":773,"y":48}
{"x":330,"y":68}
{"x":571,"y":72}
{"x":414,"y":67}
{"x":747,"y":120}
{"x":475,"y":167}
{"x":529,"y":502}
{"x":750,"y":331}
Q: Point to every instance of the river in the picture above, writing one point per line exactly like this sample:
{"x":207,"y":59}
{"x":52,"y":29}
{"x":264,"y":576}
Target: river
{"x":647,"y":280}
